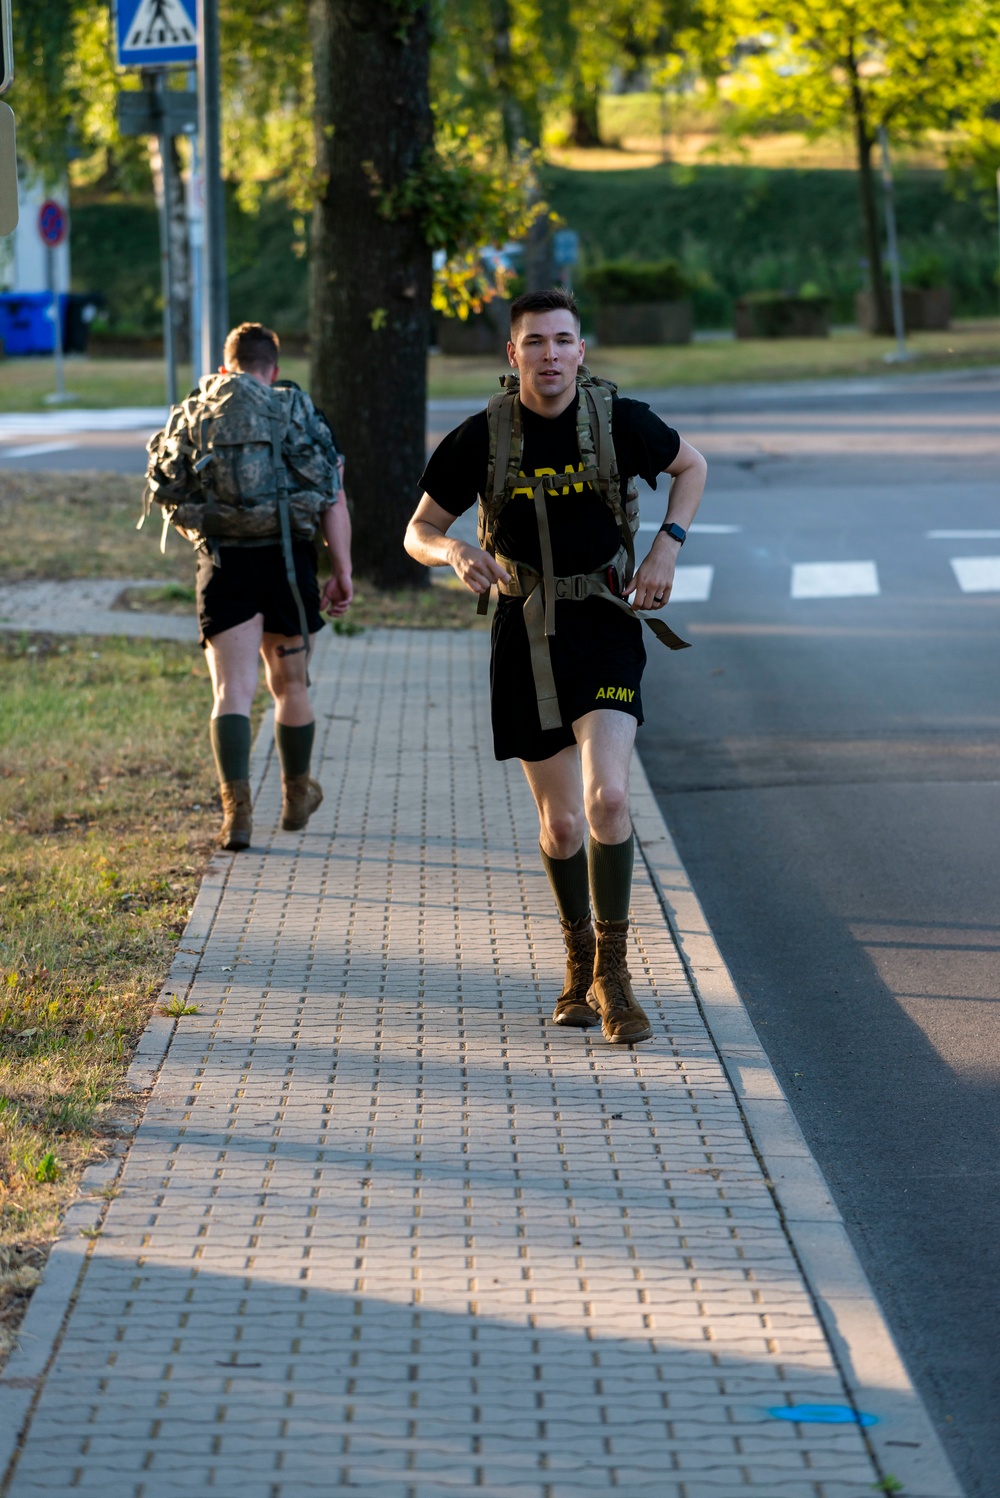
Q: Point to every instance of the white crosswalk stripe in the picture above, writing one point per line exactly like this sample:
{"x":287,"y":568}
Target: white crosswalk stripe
{"x":37,"y":449}
{"x":977,"y":574}
{"x":835,"y":580}
{"x":692,"y":585}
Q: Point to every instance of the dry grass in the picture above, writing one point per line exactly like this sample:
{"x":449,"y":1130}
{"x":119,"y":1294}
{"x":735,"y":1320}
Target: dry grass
{"x":107,"y":809}
{"x":64,"y":525}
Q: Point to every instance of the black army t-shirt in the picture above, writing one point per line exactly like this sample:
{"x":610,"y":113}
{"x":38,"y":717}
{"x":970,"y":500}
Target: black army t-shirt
{"x":583,"y":529}
{"x":596,"y":652}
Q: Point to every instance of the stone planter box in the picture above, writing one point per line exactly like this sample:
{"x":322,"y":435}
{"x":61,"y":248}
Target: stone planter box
{"x":926,"y":309}
{"x":483,"y":334}
{"x":644,"y":323}
{"x":782,"y":317}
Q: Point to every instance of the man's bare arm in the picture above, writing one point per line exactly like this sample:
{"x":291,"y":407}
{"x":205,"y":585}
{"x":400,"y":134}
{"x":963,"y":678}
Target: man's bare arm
{"x":655,"y":578}
{"x":427,"y":541}
{"x":338,"y":590}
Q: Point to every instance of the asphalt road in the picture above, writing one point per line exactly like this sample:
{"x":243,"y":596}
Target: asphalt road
{"x":830,"y":769}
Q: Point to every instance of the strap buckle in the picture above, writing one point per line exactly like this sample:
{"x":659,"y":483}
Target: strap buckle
{"x":574,"y":587}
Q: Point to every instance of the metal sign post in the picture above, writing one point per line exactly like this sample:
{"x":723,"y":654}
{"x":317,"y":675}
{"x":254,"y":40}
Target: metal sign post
{"x":892,"y":253}
{"x":215,"y":289}
{"x":53,"y":226}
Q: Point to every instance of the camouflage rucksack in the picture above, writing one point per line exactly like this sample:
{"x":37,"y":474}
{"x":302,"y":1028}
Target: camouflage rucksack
{"x":230,"y":452}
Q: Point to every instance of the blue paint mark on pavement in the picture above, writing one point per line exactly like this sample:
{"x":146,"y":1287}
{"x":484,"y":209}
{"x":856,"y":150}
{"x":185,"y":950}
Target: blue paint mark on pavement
{"x":822,"y":1414}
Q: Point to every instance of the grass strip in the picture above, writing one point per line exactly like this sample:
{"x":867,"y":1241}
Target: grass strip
{"x":103,"y":383}
{"x":66,"y":525}
{"x":59,"y":526}
{"x":108,"y":805}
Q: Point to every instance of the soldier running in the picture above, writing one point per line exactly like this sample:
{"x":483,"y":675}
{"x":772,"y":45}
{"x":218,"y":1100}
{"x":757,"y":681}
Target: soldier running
{"x":550,"y":463}
{"x":248,"y":470}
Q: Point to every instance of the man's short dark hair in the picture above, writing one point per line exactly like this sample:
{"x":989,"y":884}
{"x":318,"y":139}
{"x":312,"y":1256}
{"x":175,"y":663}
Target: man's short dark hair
{"x":556,"y":299}
{"x":252,"y":349}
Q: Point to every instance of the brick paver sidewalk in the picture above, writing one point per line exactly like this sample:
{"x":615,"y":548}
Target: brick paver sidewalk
{"x":384,"y":1228}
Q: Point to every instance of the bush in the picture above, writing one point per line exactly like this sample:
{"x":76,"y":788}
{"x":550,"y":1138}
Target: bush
{"x":734,"y":229}
{"x":619,"y":283}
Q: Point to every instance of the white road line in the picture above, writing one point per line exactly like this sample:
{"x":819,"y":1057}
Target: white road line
{"x":36,"y":449}
{"x":692,"y":585}
{"x":66,"y":423}
{"x":698,"y":528}
{"x":835,"y":580}
{"x":963,"y":535}
{"x":977,"y":574}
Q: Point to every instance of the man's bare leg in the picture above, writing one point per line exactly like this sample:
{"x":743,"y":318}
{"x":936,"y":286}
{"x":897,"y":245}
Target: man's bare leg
{"x":294,"y":726}
{"x":583,"y":786}
{"x":557,"y":787}
{"x":232,"y":657}
{"x":606,"y":739}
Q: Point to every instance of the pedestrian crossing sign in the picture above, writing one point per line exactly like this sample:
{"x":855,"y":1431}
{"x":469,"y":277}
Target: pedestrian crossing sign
{"x":156,"y":33}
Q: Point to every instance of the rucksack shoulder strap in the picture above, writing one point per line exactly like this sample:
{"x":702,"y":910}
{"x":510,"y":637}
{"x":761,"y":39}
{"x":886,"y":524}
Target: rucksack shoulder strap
{"x":595,"y":436}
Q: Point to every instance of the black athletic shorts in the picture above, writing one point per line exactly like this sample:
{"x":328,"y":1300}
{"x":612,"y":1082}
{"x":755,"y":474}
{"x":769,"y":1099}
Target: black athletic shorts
{"x":252,"y":580}
{"x":597,"y":661}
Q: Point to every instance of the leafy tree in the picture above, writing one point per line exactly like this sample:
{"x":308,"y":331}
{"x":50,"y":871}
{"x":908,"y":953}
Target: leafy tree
{"x":827,"y":65}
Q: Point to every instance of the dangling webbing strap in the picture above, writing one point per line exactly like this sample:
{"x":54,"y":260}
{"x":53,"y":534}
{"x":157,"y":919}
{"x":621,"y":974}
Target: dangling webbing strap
{"x":508,"y":429}
{"x":542,"y":590}
{"x":281,"y":485}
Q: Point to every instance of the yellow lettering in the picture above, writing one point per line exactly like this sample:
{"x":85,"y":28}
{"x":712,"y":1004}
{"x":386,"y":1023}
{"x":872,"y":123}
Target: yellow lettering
{"x":541,"y":472}
{"x":600,"y":691}
{"x":526,"y":490}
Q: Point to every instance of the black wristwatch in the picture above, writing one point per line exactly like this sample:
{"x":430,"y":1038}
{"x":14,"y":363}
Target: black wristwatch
{"x":672,"y":529}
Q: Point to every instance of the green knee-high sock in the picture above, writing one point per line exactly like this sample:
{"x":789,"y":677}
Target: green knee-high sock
{"x":570,"y":885}
{"x":231,"y":746}
{"x":611,"y":878}
{"x":294,"y":747}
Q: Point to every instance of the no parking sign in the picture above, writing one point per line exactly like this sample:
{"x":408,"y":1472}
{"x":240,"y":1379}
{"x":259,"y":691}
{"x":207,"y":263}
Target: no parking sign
{"x":53,"y":223}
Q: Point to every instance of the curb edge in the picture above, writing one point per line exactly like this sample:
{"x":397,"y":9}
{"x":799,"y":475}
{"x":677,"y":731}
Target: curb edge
{"x":904,"y":1441}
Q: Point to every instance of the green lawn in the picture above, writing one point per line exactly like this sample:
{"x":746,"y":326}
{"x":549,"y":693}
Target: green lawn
{"x":108,"y":804}
{"x":101,"y":383}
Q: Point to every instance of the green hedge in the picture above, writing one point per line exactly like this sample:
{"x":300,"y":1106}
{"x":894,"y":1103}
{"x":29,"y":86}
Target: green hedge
{"x":741,"y":229}
{"x":731,"y":230}
{"x":629,"y":283}
{"x":116,"y":250}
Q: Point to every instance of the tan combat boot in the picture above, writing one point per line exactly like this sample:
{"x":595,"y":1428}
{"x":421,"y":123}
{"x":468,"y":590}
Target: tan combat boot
{"x":300,"y":797}
{"x":237,"y":816}
{"x":622,"y":1019}
{"x":571,"y":1006}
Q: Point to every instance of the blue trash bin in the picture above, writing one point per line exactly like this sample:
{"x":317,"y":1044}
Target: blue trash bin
{"x":26,"y":325}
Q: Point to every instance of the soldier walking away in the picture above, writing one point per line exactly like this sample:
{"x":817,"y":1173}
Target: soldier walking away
{"x":248,"y":470}
{"x":551,"y":463}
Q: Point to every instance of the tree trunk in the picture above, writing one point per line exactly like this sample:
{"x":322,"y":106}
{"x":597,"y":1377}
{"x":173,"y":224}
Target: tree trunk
{"x":869,"y":209}
{"x":178,"y":247}
{"x":585,"y":128}
{"x":370,"y":276}
{"x":515,"y":129}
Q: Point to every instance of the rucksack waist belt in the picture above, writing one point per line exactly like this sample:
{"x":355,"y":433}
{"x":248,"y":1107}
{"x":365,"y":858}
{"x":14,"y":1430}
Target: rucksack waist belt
{"x":540,"y":596}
